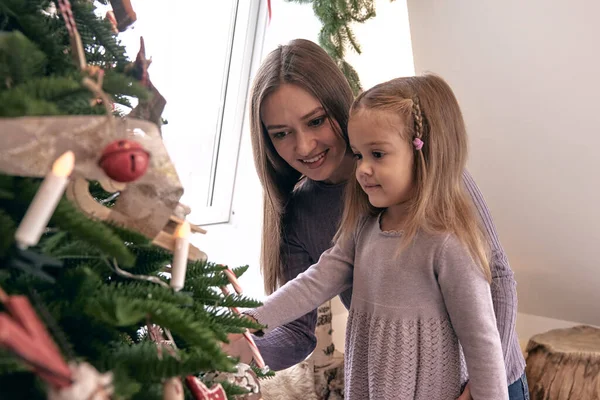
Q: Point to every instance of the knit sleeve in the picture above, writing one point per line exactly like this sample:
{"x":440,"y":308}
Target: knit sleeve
{"x":468,"y":300}
{"x":321,"y":282}
{"x":504,"y":286}
{"x":291,"y":343}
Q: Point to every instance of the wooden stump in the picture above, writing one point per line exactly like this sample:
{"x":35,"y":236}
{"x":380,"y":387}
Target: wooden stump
{"x":564,"y":364}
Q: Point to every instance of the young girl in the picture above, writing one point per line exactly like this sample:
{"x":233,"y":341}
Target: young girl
{"x":299,"y":110}
{"x":411,"y":247}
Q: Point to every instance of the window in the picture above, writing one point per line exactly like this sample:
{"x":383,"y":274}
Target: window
{"x":201,"y":57}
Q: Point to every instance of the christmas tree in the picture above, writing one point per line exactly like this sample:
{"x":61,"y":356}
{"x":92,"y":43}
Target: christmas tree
{"x":336,"y":34}
{"x":100,"y":286}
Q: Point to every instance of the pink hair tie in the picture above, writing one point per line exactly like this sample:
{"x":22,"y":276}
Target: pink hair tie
{"x":418,"y":143}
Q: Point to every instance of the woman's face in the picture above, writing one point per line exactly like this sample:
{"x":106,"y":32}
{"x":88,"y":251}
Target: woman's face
{"x":304,"y":136}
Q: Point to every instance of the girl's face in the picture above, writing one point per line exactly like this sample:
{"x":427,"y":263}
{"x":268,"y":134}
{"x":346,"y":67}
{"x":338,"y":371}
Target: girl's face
{"x":304,"y":136}
{"x":384,"y":157}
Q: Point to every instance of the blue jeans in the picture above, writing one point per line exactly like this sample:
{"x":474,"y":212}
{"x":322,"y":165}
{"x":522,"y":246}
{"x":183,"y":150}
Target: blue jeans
{"x":519,"y":390}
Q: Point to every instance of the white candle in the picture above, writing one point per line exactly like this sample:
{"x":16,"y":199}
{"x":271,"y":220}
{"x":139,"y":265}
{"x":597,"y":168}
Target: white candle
{"x":45,"y":201}
{"x":180,"y":256}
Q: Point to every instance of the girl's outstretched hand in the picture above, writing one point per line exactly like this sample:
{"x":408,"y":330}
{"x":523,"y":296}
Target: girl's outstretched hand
{"x":238,"y":347}
{"x":466,"y":394}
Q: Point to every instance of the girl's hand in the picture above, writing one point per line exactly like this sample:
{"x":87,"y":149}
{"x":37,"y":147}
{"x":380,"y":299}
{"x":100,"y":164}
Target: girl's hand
{"x":466,"y":394}
{"x":238,"y":347}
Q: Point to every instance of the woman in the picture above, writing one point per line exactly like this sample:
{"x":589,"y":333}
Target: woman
{"x":299,"y":113}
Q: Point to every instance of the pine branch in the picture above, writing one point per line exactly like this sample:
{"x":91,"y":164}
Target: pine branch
{"x":48,"y":32}
{"x":239,"y":271}
{"x":69,"y":218}
{"x":97,"y":35}
{"x":79,"y":103}
{"x":144,"y":365}
{"x":9,"y":364}
{"x":51,"y":242}
{"x":149,"y":259}
{"x":119,"y":309}
{"x":232,"y":390}
{"x":239,"y":301}
{"x":223,"y":323}
{"x":147,"y":290}
{"x":121,"y":84}
{"x":52,"y":88}
{"x":20,"y":59}
{"x":128,"y":236}
{"x":7,"y":232}
{"x":336,"y":35}
{"x":16,"y":104}
{"x":198,"y":268}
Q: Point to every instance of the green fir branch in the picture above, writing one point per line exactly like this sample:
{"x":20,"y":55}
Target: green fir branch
{"x":20,"y":59}
{"x":120,"y":84}
{"x":7,"y":232}
{"x":67,"y":217}
{"x":96,"y":33}
{"x":146,"y":366}
{"x":336,"y":36}
{"x":149,"y":259}
{"x":46,"y":31}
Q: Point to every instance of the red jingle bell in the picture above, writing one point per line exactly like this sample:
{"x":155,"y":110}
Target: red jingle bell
{"x":124,"y":160}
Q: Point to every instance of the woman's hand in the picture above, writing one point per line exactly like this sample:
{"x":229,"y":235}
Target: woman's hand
{"x":466,"y":394}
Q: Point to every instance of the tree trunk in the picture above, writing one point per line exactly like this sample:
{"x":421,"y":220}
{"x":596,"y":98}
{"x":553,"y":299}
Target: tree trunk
{"x":564,"y":364}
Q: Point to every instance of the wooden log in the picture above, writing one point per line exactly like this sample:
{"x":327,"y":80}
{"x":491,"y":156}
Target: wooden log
{"x":564,"y":364}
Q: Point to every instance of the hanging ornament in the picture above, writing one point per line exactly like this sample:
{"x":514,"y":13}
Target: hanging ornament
{"x":238,"y":289}
{"x":87,"y":384}
{"x":23,"y":334}
{"x":244,"y":378}
{"x":124,"y":160}
{"x":152,"y":108}
{"x":124,"y":13}
{"x":110,"y":16}
{"x":201,"y":392}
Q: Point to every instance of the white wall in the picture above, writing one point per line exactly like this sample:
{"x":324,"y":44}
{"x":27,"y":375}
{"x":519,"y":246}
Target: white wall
{"x":526,"y":75}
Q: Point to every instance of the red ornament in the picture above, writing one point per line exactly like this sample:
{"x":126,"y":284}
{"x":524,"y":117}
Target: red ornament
{"x":124,"y":160}
{"x":201,"y":392}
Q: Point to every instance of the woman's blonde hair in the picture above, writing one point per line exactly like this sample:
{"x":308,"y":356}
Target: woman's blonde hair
{"x":440,"y":204}
{"x":305,"y":64}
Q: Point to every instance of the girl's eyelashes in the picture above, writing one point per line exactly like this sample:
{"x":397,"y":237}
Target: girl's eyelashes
{"x":375,"y":154}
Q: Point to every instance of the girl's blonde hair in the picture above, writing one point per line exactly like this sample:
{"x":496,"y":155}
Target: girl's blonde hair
{"x":440,"y":204}
{"x":303,"y":63}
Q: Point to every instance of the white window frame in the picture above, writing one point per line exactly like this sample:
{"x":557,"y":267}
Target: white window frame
{"x":246,"y":38}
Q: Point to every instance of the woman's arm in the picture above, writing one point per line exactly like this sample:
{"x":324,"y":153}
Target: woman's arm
{"x":503,"y":287}
{"x":293,"y":342}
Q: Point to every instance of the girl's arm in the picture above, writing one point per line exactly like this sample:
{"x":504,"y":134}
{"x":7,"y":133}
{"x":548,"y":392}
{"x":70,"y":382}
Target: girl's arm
{"x":468,"y":300}
{"x":321,"y":282}
{"x":504,"y":287}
